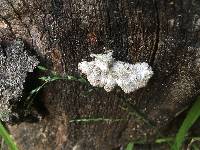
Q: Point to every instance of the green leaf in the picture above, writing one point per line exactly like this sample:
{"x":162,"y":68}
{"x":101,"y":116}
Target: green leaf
{"x":50,"y":78}
{"x":190,"y":119}
{"x":82,"y":80}
{"x":71,"y":78}
{"x":7,"y":138}
{"x":55,"y":78}
{"x":130,"y":146}
{"x":35,"y":90}
{"x":164,"y":140}
{"x":44,"y":79}
{"x":42,"y":68}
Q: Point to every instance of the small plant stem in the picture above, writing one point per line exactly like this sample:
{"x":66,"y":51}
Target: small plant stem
{"x":95,"y":120}
{"x":133,"y":111}
{"x":139,"y":115}
{"x":32,"y":95}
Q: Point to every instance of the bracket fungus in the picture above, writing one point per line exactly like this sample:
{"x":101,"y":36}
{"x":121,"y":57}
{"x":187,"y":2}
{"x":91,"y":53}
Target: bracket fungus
{"x":15,"y":63}
{"x":106,"y":72}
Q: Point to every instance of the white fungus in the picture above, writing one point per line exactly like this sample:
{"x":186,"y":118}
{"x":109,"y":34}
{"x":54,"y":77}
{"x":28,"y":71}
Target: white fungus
{"x":105,"y":72}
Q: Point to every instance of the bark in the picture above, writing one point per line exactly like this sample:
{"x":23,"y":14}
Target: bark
{"x":163,"y":33}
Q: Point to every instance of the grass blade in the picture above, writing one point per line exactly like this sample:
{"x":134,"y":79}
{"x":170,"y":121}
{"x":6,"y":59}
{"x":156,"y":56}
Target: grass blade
{"x":190,"y":119}
{"x":95,"y":120}
{"x":42,"y":68}
{"x":7,"y":138}
{"x":130,"y":146}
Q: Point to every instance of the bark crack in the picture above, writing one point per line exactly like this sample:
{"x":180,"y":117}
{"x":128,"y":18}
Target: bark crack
{"x":20,"y":19}
{"x":155,"y":48}
{"x":8,"y":24}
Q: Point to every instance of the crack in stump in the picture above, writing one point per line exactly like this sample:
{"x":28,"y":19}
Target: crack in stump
{"x":155,"y":49}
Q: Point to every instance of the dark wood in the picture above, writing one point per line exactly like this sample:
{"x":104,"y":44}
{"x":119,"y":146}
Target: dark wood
{"x":164,"y":33}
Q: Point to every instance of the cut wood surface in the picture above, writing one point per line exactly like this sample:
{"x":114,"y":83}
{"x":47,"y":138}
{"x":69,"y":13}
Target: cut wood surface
{"x":163,"y":33}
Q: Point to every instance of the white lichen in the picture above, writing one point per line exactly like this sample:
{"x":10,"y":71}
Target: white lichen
{"x":106,"y":72}
{"x":15,"y":63}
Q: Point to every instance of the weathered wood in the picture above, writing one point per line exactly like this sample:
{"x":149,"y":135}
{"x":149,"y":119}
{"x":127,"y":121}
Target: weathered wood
{"x":163,"y":33}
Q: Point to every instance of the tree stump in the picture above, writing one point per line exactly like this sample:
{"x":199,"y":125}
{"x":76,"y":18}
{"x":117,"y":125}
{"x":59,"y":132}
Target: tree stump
{"x":163,"y":33}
